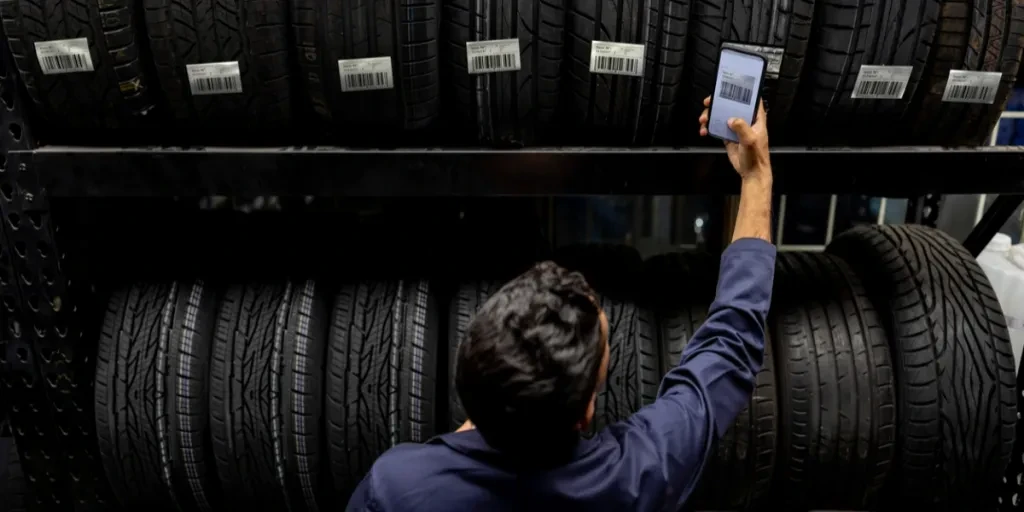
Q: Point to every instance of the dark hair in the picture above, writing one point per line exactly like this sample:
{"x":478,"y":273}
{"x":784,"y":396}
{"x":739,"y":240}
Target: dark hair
{"x":529,"y":364}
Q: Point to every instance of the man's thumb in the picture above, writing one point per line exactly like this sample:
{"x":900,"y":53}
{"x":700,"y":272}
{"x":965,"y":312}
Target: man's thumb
{"x":742,"y":129}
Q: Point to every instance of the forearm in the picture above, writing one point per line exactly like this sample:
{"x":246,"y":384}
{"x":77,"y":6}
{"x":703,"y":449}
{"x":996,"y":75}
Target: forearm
{"x":754,"y":218}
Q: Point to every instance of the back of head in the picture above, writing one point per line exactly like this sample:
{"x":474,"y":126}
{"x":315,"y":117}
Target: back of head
{"x":529,"y":365}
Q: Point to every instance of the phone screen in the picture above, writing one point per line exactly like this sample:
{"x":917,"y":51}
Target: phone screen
{"x":736,"y":91}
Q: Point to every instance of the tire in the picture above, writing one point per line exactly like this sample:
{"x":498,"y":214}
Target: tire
{"x":954,"y":365}
{"x":736,"y":21}
{"x":740,"y":472}
{"x":115,"y":93}
{"x":266,"y":394}
{"x":464,"y":305}
{"x":887,"y":32}
{"x":151,"y":396}
{"x":997,"y":47}
{"x":624,"y":109}
{"x":381,"y":387}
{"x":507,"y":108}
{"x":254,"y":33}
{"x":327,"y":31}
{"x":14,"y":490}
{"x":836,"y":410}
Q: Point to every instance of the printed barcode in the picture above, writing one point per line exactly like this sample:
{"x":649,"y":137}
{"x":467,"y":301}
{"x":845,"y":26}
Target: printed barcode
{"x":362,"y":81}
{"x":65,"y":63}
{"x":616,"y":65}
{"x":216,"y":84}
{"x":737,"y":92}
{"x":968,"y":92}
{"x":505,"y":61}
{"x":880,"y":89}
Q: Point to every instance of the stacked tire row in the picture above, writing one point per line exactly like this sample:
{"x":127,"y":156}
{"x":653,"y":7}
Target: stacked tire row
{"x":135,"y":63}
{"x":888,"y":379}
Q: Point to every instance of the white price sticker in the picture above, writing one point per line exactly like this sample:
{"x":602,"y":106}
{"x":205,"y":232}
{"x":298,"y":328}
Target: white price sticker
{"x":881,"y":82}
{"x":493,"y":56}
{"x":369,"y":74}
{"x":64,"y":56}
{"x":772,"y":55}
{"x":617,"y":58}
{"x":972,"y":86}
{"x":214,"y":78}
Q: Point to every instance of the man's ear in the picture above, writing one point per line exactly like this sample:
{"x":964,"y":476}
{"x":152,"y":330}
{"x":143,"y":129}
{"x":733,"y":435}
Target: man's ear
{"x":588,"y":417}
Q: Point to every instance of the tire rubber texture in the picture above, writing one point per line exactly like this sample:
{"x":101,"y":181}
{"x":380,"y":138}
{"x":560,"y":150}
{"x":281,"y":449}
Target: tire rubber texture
{"x":465,"y":303}
{"x":381,"y":384}
{"x":267,"y":392}
{"x":14,"y":490}
{"x":115,"y":92}
{"x":252,"y":32}
{"x":884,"y":32}
{"x":837,"y":409}
{"x":740,"y":471}
{"x":737,"y":21}
{"x":954,"y":365}
{"x":327,"y":31}
{"x":507,"y":108}
{"x":624,"y":109}
{"x":151,"y":393}
{"x":976,"y":35}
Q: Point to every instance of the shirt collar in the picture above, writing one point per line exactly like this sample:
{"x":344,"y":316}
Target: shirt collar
{"x":473,"y":445}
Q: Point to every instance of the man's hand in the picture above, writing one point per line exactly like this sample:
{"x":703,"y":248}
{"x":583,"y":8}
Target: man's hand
{"x":750,"y":155}
{"x":750,"y":159}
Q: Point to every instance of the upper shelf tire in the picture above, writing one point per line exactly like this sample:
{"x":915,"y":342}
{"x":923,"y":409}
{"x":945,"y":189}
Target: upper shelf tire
{"x":406,"y":31}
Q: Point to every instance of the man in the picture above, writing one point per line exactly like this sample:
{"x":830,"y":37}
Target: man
{"x":533,"y":360}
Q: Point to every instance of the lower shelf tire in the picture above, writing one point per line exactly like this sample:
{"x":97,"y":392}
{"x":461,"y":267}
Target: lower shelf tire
{"x":381,"y":385}
{"x":507,"y":107}
{"x":993,"y":43}
{"x":785,"y":24}
{"x":406,"y":31}
{"x":625,"y":109}
{"x":252,"y":33}
{"x":836,"y":394}
{"x":265,"y":402}
{"x":151,"y":392}
{"x":116,"y":91}
{"x":467,"y":300}
{"x":954,"y":364}
{"x":14,"y":491}
{"x":739,"y":473}
{"x":888,"y":32}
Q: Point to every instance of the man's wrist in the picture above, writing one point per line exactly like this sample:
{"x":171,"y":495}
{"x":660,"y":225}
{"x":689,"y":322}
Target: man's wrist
{"x":759,"y":177}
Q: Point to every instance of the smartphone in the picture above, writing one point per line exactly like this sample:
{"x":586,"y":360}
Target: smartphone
{"x":737,"y":91}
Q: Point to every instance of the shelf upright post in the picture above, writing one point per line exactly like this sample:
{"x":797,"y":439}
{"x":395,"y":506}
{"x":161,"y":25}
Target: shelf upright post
{"x":45,"y":372}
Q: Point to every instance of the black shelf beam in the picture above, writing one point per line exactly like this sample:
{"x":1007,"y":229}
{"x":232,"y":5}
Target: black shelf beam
{"x":296,"y":171}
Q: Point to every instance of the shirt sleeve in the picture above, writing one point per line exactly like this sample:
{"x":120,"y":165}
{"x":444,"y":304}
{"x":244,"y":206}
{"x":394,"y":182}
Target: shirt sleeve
{"x":362,"y":499}
{"x":664,"y":445}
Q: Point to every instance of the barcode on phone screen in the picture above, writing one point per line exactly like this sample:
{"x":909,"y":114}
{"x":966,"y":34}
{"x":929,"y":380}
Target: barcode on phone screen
{"x":367,"y":81}
{"x":880,"y":89}
{"x":489,"y":63}
{"x":216,"y":85}
{"x":619,"y":65}
{"x":737,"y":92}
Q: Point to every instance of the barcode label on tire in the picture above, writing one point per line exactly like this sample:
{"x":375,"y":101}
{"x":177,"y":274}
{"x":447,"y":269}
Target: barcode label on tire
{"x":881,"y":82}
{"x":737,"y":87}
{"x":772,"y":55}
{"x":617,"y":58}
{"x":370,"y":74}
{"x":64,"y":56}
{"x":492,"y":56}
{"x":214,"y":78}
{"x":972,"y":86}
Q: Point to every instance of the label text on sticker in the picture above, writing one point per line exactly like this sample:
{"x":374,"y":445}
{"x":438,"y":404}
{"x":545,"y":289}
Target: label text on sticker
{"x":617,"y":58}
{"x":972,"y":86}
{"x":881,"y":82}
{"x":492,"y":56}
{"x":64,"y":56}
{"x":214,"y":78}
{"x":772,"y":56}
{"x":369,"y":74}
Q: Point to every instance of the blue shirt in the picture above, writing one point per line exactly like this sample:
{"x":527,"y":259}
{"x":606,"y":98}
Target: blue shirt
{"x":650,"y":461}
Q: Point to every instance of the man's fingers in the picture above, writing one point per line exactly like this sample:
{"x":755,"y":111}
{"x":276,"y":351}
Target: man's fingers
{"x":761,"y":113}
{"x":743,"y":130}
{"x":707,"y":101}
{"x":703,"y":119}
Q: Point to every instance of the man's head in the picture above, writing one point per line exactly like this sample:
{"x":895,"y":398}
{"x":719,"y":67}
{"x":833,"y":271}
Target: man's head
{"x":533,"y":358}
